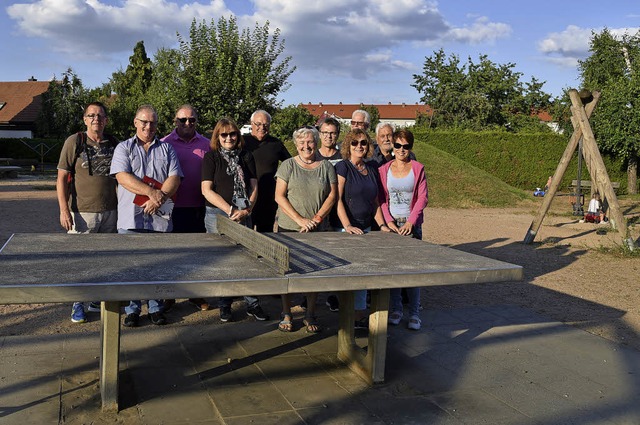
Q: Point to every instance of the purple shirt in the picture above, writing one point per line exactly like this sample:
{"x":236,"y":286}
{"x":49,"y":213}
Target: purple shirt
{"x":190,"y":154}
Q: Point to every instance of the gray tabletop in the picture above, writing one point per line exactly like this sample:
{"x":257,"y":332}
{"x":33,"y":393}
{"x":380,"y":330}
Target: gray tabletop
{"x":63,"y":267}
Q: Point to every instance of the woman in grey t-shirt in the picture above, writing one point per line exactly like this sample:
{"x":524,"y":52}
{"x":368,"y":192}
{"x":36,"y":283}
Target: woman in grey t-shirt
{"x":306,"y":189}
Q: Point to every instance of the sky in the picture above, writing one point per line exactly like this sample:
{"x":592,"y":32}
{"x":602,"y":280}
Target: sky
{"x":348,"y":51}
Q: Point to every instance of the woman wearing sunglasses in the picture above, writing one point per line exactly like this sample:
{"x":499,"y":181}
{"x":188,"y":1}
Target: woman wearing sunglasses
{"x":358,"y":207}
{"x":230,"y":188}
{"x":403,"y":197}
{"x":306,"y":190}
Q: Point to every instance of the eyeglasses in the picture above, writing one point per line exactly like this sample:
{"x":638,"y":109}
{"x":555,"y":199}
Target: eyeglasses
{"x":184,"y":120}
{"x":357,"y":122}
{"x":147,"y":123}
{"x":261,"y":124}
{"x":359,"y":142}
{"x":232,"y":134}
{"x":98,"y":117}
{"x":399,"y":146}
{"x":329,"y":133}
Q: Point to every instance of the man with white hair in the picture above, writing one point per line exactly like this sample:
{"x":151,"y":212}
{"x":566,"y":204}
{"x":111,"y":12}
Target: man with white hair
{"x":360,"y":119}
{"x":383,"y":151}
{"x":268,"y":152}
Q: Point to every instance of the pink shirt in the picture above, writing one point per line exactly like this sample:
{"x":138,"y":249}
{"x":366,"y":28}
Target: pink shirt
{"x":190,"y":154}
{"x":420,"y":193}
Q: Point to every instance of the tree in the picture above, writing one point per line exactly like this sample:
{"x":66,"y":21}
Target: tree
{"x":62,"y":107}
{"x":129,"y":91}
{"x":226,"y":72}
{"x":374,"y":115}
{"x":289,"y":119}
{"x":482,"y":95}
{"x":613,"y":68}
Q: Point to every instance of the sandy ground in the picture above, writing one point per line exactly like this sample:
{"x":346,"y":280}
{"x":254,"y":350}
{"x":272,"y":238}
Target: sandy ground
{"x":570,"y":275}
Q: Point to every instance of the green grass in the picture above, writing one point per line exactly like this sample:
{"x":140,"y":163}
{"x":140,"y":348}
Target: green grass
{"x":454,"y":183}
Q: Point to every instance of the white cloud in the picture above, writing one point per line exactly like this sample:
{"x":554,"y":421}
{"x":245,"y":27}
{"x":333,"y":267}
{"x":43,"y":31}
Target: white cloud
{"x":95,"y":28}
{"x":338,"y":37}
{"x":566,"y":47}
{"x":481,"y":31}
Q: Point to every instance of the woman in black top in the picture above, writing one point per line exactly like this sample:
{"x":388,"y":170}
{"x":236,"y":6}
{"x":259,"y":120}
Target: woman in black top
{"x":230,"y":188}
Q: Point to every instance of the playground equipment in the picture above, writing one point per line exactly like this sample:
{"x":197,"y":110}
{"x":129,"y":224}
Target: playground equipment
{"x":582,"y":106}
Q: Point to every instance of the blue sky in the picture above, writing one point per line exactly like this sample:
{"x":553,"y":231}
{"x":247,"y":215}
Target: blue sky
{"x":345,"y":50}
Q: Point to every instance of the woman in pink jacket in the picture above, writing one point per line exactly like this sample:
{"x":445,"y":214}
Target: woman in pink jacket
{"x":403,"y":197}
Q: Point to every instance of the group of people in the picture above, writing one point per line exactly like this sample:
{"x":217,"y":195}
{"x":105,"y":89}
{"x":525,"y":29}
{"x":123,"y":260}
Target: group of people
{"x":182,"y":182}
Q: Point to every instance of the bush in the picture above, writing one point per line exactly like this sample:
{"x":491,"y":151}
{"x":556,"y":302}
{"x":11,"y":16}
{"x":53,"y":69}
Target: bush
{"x":521,"y":160}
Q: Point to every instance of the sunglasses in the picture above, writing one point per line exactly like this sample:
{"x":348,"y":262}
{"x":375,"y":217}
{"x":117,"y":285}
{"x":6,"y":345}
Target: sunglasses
{"x":359,"y":142}
{"x":184,"y":120}
{"x":231,"y":134}
{"x":406,"y":147}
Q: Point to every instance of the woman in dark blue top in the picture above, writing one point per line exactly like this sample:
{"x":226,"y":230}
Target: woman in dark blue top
{"x":358,"y":199}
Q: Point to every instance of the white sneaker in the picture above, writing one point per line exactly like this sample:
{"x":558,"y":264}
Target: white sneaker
{"x":395,"y":318}
{"x":414,"y":323}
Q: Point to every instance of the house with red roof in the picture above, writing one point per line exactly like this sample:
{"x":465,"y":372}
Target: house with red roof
{"x":20,"y":104}
{"x":400,"y":115}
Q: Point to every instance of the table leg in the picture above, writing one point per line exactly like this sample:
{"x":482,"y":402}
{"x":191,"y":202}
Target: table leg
{"x":378,"y":321}
{"x":369,"y":364}
{"x":109,"y":355}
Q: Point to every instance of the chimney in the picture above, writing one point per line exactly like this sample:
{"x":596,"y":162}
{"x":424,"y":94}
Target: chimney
{"x":32,"y":79}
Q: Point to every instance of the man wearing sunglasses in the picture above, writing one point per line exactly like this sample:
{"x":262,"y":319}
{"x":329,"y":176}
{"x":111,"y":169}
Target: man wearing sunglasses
{"x":383,"y":151}
{"x":188,"y":211}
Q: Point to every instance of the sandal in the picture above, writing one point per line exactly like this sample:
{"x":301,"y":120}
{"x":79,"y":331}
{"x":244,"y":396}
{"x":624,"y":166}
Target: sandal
{"x":286,"y":322}
{"x":311,"y":322}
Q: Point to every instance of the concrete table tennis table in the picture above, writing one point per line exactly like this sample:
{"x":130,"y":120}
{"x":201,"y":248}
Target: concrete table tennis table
{"x":46,"y":268}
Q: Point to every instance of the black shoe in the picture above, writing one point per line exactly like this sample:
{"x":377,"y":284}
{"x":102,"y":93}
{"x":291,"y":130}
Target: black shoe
{"x":362,"y":323}
{"x":167,"y":305}
{"x":131,"y":320}
{"x":258,"y":313}
{"x":225,"y":314}
{"x":332,"y":303}
{"x":157,"y":318}
{"x":303,"y":304}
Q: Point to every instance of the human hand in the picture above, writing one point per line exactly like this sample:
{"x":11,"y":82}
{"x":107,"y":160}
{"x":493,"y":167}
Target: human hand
{"x":307,"y":225}
{"x":393,"y":228}
{"x":66,"y":220}
{"x":406,"y":229}
{"x":353,"y":230}
{"x":238,"y":215}
{"x":150,"y":207}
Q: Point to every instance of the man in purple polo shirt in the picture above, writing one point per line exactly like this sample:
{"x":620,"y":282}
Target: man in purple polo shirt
{"x":189,"y":210}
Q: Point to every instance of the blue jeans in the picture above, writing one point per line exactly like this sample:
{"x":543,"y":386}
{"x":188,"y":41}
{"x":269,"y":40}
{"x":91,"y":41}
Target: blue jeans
{"x":135,"y":306}
{"x":211,"y":224}
{"x":412,"y":293}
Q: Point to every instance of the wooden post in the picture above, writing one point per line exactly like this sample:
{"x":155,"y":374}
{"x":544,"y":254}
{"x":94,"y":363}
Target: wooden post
{"x":559,"y":173}
{"x":109,"y":358}
{"x":596,"y":166}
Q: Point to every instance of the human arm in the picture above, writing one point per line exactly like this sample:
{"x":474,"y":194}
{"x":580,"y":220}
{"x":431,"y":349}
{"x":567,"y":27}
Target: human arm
{"x":306,"y":224}
{"x":62,"y":192}
{"x":136,"y":186}
{"x":326,"y":206}
{"x":383,"y":199}
{"x":342,"y":210}
{"x":420,"y":196}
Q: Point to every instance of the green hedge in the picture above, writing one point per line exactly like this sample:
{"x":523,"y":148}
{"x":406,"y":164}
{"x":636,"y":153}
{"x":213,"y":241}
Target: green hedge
{"x":524,"y":161}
